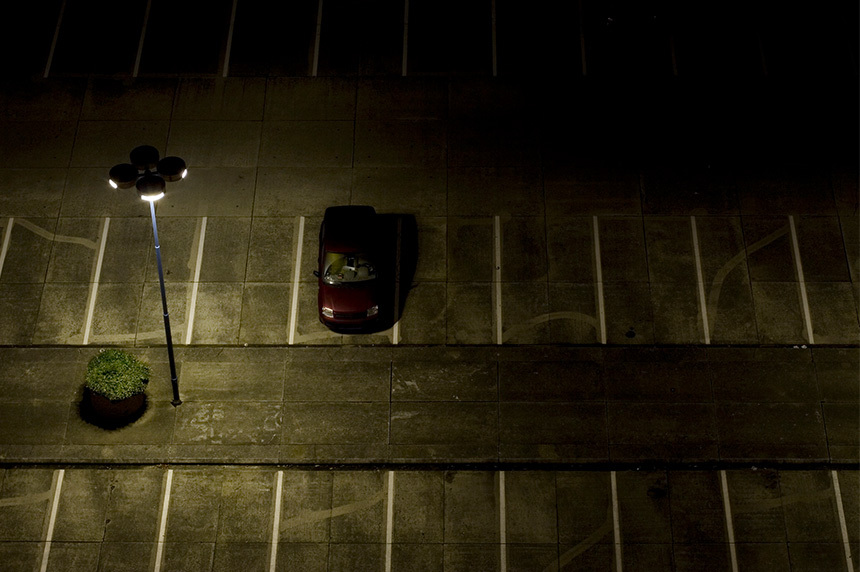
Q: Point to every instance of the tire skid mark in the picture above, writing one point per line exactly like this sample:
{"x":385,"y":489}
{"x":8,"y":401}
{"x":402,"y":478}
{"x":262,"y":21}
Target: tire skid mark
{"x":723,"y":272}
{"x":35,"y":229}
{"x":548,"y":317}
{"x":584,"y":544}
{"x":26,"y":499}
{"x":320,"y":515}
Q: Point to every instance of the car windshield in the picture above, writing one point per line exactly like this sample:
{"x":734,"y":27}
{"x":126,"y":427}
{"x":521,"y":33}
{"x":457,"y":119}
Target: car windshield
{"x":349,"y":268}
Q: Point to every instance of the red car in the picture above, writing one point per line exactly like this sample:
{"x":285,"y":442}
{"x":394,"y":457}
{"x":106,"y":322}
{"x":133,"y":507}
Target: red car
{"x":349,"y":284}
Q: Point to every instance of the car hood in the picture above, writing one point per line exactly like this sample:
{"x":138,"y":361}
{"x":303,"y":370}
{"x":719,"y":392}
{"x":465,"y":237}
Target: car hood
{"x":347,"y":299}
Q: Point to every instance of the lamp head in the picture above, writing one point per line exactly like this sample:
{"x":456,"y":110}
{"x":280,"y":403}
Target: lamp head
{"x":172,"y":169}
{"x":150,"y":187}
{"x":145,"y":157}
{"x":123,"y":176}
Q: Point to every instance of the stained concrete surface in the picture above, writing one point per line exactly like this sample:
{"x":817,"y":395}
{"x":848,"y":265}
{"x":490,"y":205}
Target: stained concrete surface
{"x":363,"y":404}
{"x":632,"y":166}
{"x":215,"y":518}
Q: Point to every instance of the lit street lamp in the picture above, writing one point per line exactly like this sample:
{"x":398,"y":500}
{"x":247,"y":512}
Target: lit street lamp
{"x":148,"y":173}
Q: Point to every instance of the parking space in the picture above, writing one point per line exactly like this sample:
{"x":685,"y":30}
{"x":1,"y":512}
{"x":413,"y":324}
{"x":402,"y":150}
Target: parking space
{"x":524,"y":234}
{"x":231,"y":280}
{"x":224,"y":517}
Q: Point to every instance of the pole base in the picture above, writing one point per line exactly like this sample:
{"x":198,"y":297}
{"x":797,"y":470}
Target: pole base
{"x":176,"y":402}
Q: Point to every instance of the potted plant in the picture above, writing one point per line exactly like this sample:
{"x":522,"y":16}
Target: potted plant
{"x":115,"y":389}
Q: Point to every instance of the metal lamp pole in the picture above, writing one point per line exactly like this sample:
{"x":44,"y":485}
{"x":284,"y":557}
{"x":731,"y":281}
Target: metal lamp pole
{"x":173,"y":379}
{"x":148,"y":174}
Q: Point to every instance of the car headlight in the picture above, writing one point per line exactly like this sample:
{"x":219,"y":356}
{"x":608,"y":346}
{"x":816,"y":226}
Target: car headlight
{"x":327,"y":312}
{"x":373,"y":310}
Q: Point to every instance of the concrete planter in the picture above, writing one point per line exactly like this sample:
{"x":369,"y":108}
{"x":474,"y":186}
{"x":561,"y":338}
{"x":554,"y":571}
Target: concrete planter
{"x":114,"y":412}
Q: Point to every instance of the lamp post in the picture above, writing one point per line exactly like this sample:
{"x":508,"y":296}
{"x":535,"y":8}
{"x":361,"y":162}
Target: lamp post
{"x":148,"y":174}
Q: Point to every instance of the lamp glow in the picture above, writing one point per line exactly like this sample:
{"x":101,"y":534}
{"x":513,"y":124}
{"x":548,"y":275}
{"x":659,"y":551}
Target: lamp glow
{"x":152,"y":198}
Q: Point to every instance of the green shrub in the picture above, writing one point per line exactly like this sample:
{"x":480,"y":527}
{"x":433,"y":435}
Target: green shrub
{"x":116,"y":375}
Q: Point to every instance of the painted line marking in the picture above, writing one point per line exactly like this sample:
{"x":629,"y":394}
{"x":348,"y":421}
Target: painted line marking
{"x":7,"y":236}
{"x":294,"y":302}
{"x":54,"y":40}
{"x":162,"y":523}
{"x":503,"y":524}
{"x":142,"y":37}
{"x":674,"y":58}
{"x":582,"y":40}
{"x":57,"y":485}
{"x":762,"y":55}
{"x":730,"y":529}
{"x":849,"y":563}
{"x":229,"y":40}
{"x":616,"y":527}
{"x":601,"y":313}
{"x":195,"y":284}
{"x":803,"y":299}
{"x":497,"y":276}
{"x":389,"y":521}
{"x":405,"y":36}
{"x":94,"y":282}
{"x":493,"y":20}
{"x":702,"y":301}
{"x":317,"y":39}
{"x":276,"y":521}
{"x":395,"y":330}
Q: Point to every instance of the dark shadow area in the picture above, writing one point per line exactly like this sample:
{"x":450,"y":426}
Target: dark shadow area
{"x":399,"y":240}
{"x":91,"y":416}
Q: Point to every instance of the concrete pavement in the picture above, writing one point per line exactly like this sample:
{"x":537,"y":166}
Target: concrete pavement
{"x":225,"y":518}
{"x":387,"y":404}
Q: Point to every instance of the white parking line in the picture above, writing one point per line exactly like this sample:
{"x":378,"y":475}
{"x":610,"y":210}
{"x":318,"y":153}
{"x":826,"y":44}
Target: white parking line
{"x":297,"y":267}
{"x":395,"y":329}
{"x":497,"y":276}
{"x":703,"y":304}
{"x":674,"y":58}
{"x":317,"y":39}
{"x":195,"y":283}
{"x":582,"y":39}
{"x":94,"y":281}
{"x":142,"y":37}
{"x":389,"y":521}
{"x":801,"y":282}
{"x":503,"y":525}
{"x":162,"y":522}
{"x":229,"y":40}
{"x":54,"y":40}
{"x":616,"y":525}
{"x":7,"y":235}
{"x":598,"y":274}
{"x":493,"y":20}
{"x":405,"y":36}
{"x":56,"y":485}
{"x":849,"y":563}
{"x":730,"y":529}
{"x":276,"y":521}
{"x":761,"y":54}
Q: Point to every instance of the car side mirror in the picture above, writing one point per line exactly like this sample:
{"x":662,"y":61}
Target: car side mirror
{"x":317,"y":273}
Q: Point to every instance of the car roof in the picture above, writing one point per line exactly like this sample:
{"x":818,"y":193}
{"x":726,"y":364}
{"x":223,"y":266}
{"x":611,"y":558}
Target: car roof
{"x":349,"y":228}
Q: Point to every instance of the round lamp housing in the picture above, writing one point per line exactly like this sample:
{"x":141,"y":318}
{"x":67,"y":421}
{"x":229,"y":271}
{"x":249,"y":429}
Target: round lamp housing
{"x":145,"y":157}
{"x":172,"y":169}
{"x":123,"y":176}
{"x":150,"y":187}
